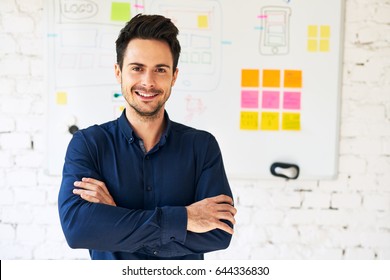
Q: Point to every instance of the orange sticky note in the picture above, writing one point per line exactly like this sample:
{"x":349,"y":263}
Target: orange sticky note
{"x":250,"y":78}
{"x":271,"y":78}
{"x":269,"y":121}
{"x":292,"y":78}
{"x":291,"y":121}
{"x":249,"y":120}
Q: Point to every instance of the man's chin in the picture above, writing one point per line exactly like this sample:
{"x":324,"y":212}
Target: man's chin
{"x":153,"y":114}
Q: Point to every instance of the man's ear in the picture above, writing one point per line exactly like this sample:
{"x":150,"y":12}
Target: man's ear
{"x":118,"y":73}
{"x":175,"y":77}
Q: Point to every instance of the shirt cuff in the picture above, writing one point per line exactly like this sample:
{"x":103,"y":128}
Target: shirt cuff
{"x":174,"y":224}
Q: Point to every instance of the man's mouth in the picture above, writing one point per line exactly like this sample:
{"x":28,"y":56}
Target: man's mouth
{"x":146,"y":94}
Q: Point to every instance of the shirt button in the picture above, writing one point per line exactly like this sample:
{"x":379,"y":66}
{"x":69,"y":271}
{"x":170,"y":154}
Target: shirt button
{"x":149,"y":188}
{"x":173,"y":238}
{"x":155,"y":253}
{"x":147,"y":157}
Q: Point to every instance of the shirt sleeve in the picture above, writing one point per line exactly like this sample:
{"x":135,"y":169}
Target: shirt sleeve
{"x":211,"y":181}
{"x":87,"y":225}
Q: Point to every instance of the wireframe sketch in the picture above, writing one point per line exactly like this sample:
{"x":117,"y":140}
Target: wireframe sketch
{"x":200,"y":25}
{"x":275,"y":33}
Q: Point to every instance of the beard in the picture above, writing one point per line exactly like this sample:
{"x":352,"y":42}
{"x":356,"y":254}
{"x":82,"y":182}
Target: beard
{"x":146,"y":115}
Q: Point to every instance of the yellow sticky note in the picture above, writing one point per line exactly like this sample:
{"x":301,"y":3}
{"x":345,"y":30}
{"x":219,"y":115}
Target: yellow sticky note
{"x":203,"y":21}
{"x":324,"y":46}
{"x":312,"y":45}
{"x":292,"y":78}
{"x":325,"y":31}
{"x":269,"y":121}
{"x":61,"y":98}
{"x":271,"y":78}
{"x":249,"y":120}
{"x":312,"y":31}
{"x":120,"y":11}
{"x":291,"y":121}
{"x":250,"y":78}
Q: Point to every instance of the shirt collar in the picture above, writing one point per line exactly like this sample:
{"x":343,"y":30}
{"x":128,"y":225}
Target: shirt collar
{"x":130,"y":135}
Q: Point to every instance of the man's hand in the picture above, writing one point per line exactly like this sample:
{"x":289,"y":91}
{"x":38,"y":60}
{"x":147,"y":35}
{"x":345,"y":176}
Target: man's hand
{"x":93,"y":190}
{"x":206,"y":215}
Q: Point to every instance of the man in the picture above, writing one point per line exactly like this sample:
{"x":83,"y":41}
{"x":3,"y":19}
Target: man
{"x":143,"y":186}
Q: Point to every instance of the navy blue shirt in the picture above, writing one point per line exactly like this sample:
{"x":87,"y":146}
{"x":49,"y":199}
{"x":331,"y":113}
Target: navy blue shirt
{"x":150,"y":189}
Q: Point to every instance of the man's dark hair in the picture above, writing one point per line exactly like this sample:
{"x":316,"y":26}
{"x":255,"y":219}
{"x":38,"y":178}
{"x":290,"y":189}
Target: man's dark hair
{"x":154,"y":27}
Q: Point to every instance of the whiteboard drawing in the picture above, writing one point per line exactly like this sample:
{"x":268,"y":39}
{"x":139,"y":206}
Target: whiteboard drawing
{"x":275,"y":32}
{"x":194,"y":106}
{"x":283,"y":108}
{"x":200,"y":36}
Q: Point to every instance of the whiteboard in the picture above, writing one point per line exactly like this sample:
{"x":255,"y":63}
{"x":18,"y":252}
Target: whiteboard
{"x":264,"y":77}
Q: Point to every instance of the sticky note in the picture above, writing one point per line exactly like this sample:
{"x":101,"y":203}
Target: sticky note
{"x":325,"y":31}
{"x":120,"y":11}
{"x":291,"y":121}
{"x":249,"y":120}
{"x":250,"y":78}
{"x":292,"y":78}
{"x":118,"y":110}
{"x":61,"y":98}
{"x":292,"y":100}
{"x":269,"y":121}
{"x":324,"y":46}
{"x":270,"y":100}
{"x":312,"y":31}
{"x":271,"y":78}
{"x":249,"y":99}
{"x":312,"y":45}
{"x":203,"y":21}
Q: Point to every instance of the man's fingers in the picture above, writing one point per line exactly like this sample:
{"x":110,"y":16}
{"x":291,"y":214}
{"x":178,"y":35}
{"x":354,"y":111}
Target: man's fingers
{"x":87,"y":195}
{"x":222,"y":199}
{"x":91,"y":184}
{"x":227,"y":217}
{"x":222,"y":226}
{"x":93,"y":181}
{"x":93,"y":190}
{"x":226,"y":208}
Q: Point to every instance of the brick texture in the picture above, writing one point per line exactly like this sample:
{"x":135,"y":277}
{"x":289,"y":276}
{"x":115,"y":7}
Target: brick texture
{"x":346,"y":218}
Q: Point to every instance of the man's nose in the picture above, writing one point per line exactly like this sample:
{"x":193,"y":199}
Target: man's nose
{"x":148,"y":79}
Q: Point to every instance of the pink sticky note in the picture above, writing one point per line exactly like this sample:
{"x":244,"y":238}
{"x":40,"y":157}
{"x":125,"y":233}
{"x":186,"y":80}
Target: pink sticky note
{"x":270,"y":99}
{"x":292,"y":100}
{"x":249,"y":99}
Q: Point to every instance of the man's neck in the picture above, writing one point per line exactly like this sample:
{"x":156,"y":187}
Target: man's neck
{"x":149,"y":129}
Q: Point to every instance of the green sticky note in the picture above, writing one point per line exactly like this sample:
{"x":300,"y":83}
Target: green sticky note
{"x":120,"y":11}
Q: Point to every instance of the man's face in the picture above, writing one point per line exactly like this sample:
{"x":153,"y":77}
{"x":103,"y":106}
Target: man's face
{"x":147,"y":76}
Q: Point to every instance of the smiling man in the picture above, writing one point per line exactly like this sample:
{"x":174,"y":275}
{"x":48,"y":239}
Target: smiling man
{"x":143,"y":186}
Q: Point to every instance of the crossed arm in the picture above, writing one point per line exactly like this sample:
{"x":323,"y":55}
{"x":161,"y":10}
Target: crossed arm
{"x":203,"y":216}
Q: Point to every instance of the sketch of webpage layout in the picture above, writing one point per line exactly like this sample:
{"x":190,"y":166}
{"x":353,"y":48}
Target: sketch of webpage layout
{"x":275,"y":31}
{"x":200,"y":36}
{"x":85,"y":32}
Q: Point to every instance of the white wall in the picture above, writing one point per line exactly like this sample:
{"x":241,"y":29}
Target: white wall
{"x":348,"y":218}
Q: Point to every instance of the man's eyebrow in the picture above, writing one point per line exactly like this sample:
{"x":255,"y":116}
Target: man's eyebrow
{"x":136,"y":64}
{"x":161,"y":65}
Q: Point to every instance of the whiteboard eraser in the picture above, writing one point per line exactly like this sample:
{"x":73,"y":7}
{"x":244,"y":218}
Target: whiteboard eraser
{"x":285,"y":170}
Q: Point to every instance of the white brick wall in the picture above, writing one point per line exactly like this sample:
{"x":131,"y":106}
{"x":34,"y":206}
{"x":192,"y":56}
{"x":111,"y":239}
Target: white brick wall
{"x":347,"y":218}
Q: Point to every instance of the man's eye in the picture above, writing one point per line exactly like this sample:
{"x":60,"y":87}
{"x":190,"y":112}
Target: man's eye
{"x":137,"y":69}
{"x":161,"y":70}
